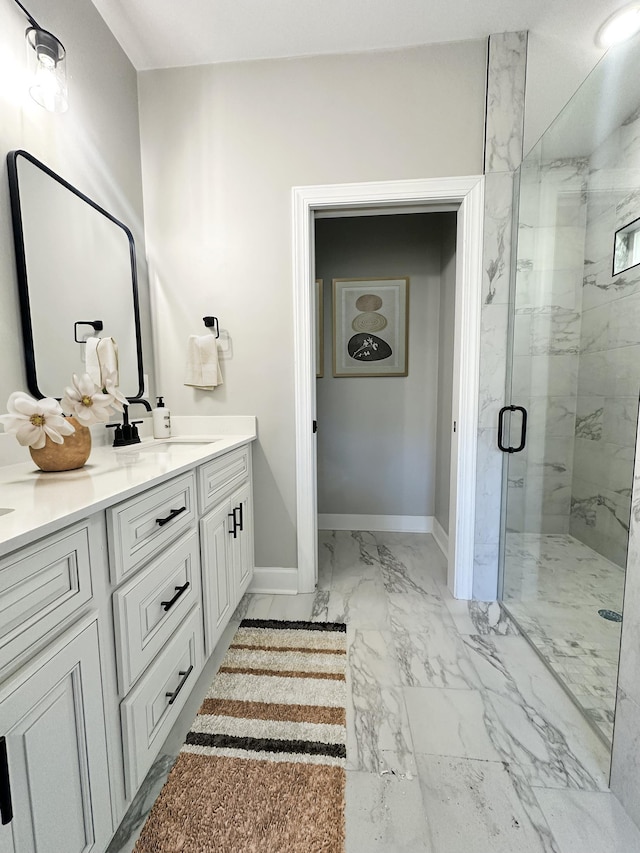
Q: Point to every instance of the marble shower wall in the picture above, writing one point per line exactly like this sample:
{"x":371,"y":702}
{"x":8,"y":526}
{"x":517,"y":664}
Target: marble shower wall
{"x":546,"y":341}
{"x":609,"y":371}
{"x":503,"y":155}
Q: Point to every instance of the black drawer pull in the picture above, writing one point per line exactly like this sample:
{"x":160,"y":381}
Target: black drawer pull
{"x":6,"y":807}
{"x":185,"y":674}
{"x":179,"y":590}
{"x":162,"y":521}
{"x":235,"y":524}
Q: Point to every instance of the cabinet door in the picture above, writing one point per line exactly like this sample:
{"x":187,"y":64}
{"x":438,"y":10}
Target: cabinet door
{"x":242,"y":545}
{"x":52,"y":722}
{"x":217,"y":580}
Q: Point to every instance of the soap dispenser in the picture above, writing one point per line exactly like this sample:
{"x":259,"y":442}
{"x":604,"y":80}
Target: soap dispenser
{"x":161,"y":417}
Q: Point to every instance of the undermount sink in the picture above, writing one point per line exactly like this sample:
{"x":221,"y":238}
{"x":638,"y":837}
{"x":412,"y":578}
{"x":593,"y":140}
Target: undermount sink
{"x":4,"y":510}
{"x":165,"y":445}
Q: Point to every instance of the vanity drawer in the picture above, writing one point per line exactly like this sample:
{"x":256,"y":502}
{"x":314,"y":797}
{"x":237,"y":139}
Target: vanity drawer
{"x":148,"y":713}
{"x":218,"y":478}
{"x":141,"y":527}
{"x":150,"y":606}
{"x":40,"y":587}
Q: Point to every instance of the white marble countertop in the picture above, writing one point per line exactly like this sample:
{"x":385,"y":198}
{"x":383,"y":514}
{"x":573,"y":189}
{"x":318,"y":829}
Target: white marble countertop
{"x":43,"y":502}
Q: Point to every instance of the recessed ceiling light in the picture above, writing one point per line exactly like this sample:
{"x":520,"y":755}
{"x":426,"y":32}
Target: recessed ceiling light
{"x":620,"y":26}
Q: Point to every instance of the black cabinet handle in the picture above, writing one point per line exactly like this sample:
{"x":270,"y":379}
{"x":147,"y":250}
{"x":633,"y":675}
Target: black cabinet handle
{"x":234,"y":532}
{"x":179,"y":591}
{"x":6,"y":806}
{"x":240,"y":523}
{"x":162,"y":521}
{"x":185,"y":674}
{"x":523,"y":435}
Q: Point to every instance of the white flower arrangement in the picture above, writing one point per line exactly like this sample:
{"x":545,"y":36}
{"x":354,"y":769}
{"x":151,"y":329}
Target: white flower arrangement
{"x":31,"y":420}
{"x":85,"y":401}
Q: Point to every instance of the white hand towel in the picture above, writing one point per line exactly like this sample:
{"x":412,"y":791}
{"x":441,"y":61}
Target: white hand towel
{"x":102,"y":355}
{"x":203,"y":368}
{"x":91,"y":359}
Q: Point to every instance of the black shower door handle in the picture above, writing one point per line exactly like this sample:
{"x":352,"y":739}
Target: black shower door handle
{"x":523,"y":435}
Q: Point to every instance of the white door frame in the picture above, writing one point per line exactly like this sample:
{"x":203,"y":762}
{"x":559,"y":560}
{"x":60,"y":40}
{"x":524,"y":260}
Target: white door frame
{"x":468,"y":192}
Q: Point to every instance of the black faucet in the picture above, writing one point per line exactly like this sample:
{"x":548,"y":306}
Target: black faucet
{"x":126,"y":433}
{"x":140,"y":402}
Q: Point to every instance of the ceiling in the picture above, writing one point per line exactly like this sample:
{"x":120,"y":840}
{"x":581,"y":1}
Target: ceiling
{"x":170,"y":33}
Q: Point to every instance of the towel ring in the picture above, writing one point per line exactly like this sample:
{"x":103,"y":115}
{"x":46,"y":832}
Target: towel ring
{"x":212,"y":322}
{"x":98,"y":326}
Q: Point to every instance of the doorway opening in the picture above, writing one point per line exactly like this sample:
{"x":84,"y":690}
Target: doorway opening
{"x":465,"y":194}
{"x":385,"y":288}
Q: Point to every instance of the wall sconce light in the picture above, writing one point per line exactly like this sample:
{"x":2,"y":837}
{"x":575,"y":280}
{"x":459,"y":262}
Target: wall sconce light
{"x":46,"y":59}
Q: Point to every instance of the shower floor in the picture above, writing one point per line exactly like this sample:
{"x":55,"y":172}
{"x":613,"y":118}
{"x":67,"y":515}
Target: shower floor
{"x":554,"y":586}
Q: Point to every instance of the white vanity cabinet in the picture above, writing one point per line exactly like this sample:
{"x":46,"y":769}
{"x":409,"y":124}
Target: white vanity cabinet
{"x":149,"y":608}
{"x":150,"y":710}
{"x":226,"y":539}
{"x":55,"y":788}
{"x":105,"y":626}
{"x":217,"y":573}
{"x":54,"y":779}
{"x":153,"y":544}
{"x":140,"y":527}
{"x":241,"y":541}
{"x":43,"y":586}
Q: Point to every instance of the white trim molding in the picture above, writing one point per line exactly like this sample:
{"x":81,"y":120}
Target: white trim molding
{"x":466,"y":391}
{"x":388,"y":523}
{"x":441,"y":537}
{"x":467,"y":193}
{"x":274,"y":581}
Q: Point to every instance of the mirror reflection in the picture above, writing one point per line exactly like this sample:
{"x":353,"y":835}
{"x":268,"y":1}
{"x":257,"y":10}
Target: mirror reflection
{"x":77,"y":279}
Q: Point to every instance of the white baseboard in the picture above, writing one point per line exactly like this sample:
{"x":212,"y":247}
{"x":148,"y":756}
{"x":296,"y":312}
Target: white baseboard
{"x":387,"y":523}
{"x":442,"y":538}
{"x":274,"y":581}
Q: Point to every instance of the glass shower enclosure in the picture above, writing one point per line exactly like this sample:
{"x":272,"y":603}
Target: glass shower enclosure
{"x":569,"y":430}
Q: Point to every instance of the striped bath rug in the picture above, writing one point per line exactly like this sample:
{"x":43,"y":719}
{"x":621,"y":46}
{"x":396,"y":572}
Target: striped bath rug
{"x":262,"y":768}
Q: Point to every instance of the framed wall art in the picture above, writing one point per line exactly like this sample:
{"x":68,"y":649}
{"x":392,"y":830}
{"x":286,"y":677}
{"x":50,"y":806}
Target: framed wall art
{"x":319,"y":329}
{"x":370,"y":326}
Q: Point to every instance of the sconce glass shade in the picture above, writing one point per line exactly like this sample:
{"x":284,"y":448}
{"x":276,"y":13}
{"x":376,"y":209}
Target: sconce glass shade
{"x":46,"y":58}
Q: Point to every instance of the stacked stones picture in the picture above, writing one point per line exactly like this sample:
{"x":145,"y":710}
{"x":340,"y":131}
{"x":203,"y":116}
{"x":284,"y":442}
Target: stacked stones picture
{"x":370,"y":326}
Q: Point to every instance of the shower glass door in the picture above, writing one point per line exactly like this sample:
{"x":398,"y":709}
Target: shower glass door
{"x":575,"y":372}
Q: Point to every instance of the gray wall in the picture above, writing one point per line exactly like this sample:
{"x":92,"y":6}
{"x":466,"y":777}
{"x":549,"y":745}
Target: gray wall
{"x":95,"y":145}
{"x":221,"y":148}
{"x":446,"y":332}
{"x":377,"y":436}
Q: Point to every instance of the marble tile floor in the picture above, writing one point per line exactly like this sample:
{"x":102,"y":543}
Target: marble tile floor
{"x":459,"y":738}
{"x":554,"y":586}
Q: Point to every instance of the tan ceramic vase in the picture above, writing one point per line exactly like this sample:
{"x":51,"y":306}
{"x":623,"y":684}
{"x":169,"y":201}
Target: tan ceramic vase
{"x":71,"y":454}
